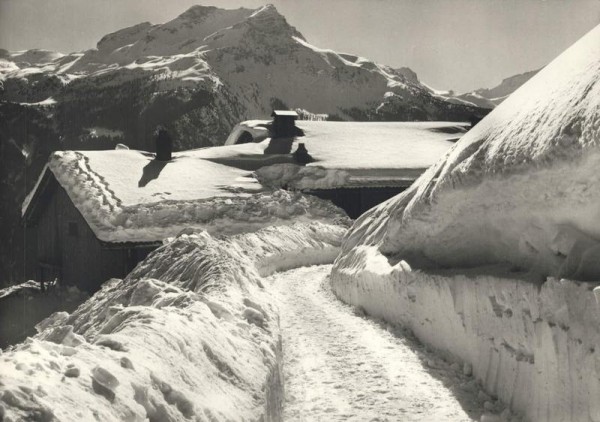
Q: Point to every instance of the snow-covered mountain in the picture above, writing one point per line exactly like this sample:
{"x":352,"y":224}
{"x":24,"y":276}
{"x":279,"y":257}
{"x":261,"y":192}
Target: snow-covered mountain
{"x":204,"y":71}
{"x":491,"y":97}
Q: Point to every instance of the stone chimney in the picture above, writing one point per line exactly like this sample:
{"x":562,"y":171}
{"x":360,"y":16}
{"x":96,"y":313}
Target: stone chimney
{"x":164,"y":144}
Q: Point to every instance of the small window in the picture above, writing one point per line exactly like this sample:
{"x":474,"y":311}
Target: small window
{"x":73,"y":229}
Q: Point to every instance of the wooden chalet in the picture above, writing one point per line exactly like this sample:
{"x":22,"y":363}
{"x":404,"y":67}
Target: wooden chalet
{"x":93,"y":215}
{"x":62,"y":246}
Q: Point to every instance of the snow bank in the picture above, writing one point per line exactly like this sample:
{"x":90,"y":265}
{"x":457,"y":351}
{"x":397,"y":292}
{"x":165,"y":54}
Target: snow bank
{"x":512,"y":208}
{"x":533,"y":345}
{"x":190,"y":334}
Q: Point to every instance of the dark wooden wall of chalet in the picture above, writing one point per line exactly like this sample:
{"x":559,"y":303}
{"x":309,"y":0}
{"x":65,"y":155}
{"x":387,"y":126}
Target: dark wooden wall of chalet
{"x":79,"y":259}
{"x":356,"y":201}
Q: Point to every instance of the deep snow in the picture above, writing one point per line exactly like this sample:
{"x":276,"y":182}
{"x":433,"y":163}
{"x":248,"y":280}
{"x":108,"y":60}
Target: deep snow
{"x":480,"y":255}
{"x":520,"y":187}
{"x":532,"y":345}
{"x":190,"y":334}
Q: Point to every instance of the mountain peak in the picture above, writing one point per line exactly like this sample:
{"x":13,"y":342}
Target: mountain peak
{"x":267,"y":9}
{"x":197,"y":13}
{"x":268,"y":20}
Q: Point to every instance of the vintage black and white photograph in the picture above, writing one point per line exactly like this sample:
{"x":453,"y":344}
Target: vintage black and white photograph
{"x":300,"y":211}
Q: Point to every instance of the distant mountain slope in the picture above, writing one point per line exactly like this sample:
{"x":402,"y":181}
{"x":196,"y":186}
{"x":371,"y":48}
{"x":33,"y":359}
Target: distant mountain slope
{"x":490,"y":98}
{"x":204,"y":71}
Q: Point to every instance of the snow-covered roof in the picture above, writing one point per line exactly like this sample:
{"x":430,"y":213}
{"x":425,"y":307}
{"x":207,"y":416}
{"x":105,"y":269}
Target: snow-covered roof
{"x":127,"y":196}
{"x":369,"y":153}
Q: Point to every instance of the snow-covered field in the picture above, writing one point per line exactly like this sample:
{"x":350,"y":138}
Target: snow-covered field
{"x":478,"y":257}
{"x":191,"y":334}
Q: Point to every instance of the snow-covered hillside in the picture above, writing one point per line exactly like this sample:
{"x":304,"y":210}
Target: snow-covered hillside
{"x":495,"y":231}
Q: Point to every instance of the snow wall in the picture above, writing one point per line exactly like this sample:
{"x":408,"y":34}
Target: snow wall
{"x":190,"y":334}
{"x":498,"y":229}
{"x":533,"y":345}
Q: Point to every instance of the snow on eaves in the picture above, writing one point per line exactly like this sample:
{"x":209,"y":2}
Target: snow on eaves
{"x":522,"y":186}
{"x":127,"y":196}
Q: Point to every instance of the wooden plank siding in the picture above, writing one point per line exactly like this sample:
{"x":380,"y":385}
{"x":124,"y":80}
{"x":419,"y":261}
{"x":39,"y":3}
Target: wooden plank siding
{"x":67,"y":249}
{"x":356,"y":201}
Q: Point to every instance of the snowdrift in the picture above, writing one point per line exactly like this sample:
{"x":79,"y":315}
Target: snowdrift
{"x":521,"y":187}
{"x":533,"y":346}
{"x":492,"y":228}
{"x":190,"y":334}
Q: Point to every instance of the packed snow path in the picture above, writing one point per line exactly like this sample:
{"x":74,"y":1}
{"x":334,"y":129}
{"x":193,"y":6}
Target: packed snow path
{"x":341,"y":366}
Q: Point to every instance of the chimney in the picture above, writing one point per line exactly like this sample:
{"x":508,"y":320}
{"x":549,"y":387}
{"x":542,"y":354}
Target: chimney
{"x":301,"y":155}
{"x":164,"y":144}
{"x":284,"y":123}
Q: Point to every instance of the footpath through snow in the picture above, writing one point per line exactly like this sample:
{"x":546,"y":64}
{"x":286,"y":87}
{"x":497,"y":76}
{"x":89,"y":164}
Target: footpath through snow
{"x":340,"y":366}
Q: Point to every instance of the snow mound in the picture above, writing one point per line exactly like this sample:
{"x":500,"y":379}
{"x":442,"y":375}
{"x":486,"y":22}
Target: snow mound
{"x":154,"y":200}
{"x":521,"y":187}
{"x":190,"y":334}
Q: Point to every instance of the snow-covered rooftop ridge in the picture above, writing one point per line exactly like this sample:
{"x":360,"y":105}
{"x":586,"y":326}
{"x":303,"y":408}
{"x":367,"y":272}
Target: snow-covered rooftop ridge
{"x":522,"y":186}
{"x":127,"y":196}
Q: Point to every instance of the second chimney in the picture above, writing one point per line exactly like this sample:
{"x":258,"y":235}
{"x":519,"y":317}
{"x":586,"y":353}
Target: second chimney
{"x":164,"y":145}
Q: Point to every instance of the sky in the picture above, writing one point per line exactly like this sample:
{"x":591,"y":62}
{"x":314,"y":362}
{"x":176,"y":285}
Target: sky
{"x":451,"y":44}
